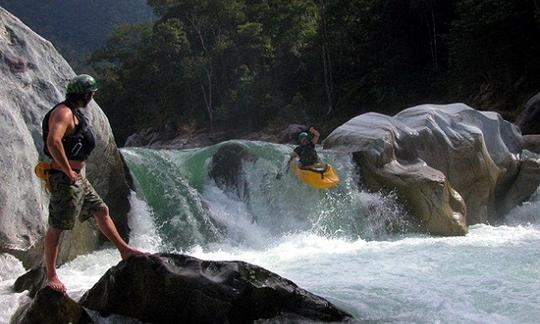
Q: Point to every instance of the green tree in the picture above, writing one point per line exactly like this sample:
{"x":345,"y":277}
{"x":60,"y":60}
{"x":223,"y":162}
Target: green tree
{"x":494,"y":51}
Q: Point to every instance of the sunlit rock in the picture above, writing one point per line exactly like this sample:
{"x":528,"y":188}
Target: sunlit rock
{"x":34,"y":76}
{"x":173,"y":288}
{"x":452,"y":164}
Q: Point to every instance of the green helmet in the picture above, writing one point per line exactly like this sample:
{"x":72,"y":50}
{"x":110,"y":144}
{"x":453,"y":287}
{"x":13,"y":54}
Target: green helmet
{"x":82,"y":83}
{"x":303,"y":136}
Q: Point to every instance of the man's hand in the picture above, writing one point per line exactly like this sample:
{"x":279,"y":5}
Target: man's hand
{"x":315,"y":134}
{"x":72,"y":175}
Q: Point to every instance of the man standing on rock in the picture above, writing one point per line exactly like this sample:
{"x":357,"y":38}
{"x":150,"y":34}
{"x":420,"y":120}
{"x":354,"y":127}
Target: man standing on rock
{"x":68,"y":141}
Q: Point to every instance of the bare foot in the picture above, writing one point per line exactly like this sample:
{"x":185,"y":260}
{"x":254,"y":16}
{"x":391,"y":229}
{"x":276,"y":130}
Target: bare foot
{"x":129,"y":252}
{"x":55,"y":284}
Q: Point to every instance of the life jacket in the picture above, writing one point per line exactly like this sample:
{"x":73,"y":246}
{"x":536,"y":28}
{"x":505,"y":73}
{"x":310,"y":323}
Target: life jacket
{"x":77,"y":145}
{"x":307,"y":154}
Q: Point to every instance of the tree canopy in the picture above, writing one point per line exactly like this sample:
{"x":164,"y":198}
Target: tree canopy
{"x":241,"y":65}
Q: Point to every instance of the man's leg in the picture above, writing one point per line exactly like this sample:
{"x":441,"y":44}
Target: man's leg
{"x":107,"y":227}
{"x":52,"y":239}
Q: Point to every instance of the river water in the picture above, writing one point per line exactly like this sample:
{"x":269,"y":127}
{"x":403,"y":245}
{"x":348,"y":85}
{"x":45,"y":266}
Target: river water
{"x":355,"y":248}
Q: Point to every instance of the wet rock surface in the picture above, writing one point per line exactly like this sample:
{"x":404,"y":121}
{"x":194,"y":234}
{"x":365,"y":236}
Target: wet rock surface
{"x":51,"y":307}
{"x":33,"y":280}
{"x":173,"y":288}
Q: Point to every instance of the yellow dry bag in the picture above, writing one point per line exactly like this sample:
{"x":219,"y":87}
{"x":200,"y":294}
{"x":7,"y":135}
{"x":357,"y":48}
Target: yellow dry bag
{"x":41,"y":172}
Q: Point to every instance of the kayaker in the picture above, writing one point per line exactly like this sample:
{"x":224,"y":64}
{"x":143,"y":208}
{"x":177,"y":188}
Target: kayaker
{"x":305,"y":152}
{"x":68,"y":140}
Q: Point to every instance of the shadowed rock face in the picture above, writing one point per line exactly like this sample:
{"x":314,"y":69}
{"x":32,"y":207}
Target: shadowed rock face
{"x":532,"y":143}
{"x":34,"y":77}
{"x":452,"y":164}
{"x":33,"y":280}
{"x":172,"y":288}
{"x":529,"y":119}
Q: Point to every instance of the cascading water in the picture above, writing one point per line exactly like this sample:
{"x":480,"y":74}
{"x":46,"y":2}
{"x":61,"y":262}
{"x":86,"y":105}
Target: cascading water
{"x":355,"y":248}
{"x":192,"y":210}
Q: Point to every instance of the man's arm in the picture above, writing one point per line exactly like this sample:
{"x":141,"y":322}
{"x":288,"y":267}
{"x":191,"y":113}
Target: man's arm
{"x":58,"y":124}
{"x":316,"y":135}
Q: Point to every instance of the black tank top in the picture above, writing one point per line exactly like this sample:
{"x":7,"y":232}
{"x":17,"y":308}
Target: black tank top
{"x":307,"y":154}
{"x":77,"y":145}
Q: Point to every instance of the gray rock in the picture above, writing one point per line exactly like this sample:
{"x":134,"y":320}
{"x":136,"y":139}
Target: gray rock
{"x":173,"y":288}
{"x":51,"y":307}
{"x":34,"y":77}
{"x":452,"y":164}
{"x":289,"y":135}
{"x":529,"y":119}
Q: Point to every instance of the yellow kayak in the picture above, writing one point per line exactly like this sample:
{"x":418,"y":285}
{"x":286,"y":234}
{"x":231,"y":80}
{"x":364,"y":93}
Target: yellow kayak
{"x":322,"y":178}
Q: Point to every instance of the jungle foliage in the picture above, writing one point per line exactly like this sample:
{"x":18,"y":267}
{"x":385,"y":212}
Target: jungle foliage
{"x":77,"y":27}
{"x":242,"y":65}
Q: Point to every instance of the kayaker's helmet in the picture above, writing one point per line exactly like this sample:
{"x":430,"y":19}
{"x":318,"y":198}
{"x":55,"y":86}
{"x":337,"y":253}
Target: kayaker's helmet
{"x":303,"y":136}
{"x":82,"y":83}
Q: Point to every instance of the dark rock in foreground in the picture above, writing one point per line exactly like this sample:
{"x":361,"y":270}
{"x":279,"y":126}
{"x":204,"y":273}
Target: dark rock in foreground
{"x":172,"y":288}
{"x":33,"y":280}
{"x":52,"y":307}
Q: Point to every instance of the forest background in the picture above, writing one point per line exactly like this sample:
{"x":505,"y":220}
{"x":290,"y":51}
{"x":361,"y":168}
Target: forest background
{"x":241,"y":66}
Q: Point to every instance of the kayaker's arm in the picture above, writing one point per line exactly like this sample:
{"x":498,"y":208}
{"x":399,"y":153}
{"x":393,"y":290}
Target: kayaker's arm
{"x":316,"y":135}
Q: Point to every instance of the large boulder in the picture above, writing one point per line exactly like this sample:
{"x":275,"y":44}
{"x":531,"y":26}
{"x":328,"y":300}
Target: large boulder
{"x":452,"y":164}
{"x":172,"y":288}
{"x":34,"y":76}
{"x":529,"y":119}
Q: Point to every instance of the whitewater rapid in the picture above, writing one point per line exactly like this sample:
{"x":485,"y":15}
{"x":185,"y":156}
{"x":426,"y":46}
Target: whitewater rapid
{"x":338,"y":244}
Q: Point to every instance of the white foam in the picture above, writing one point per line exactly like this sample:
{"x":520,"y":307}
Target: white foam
{"x":143,"y":230}
{"x":10,"y":269}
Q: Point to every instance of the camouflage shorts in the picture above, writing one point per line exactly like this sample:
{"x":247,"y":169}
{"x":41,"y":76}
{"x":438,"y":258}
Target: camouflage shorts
{"x":69,"y":201}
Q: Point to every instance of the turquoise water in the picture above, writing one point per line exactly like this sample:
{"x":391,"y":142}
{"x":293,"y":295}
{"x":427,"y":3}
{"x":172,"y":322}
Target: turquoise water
{"x":353,"y":247}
